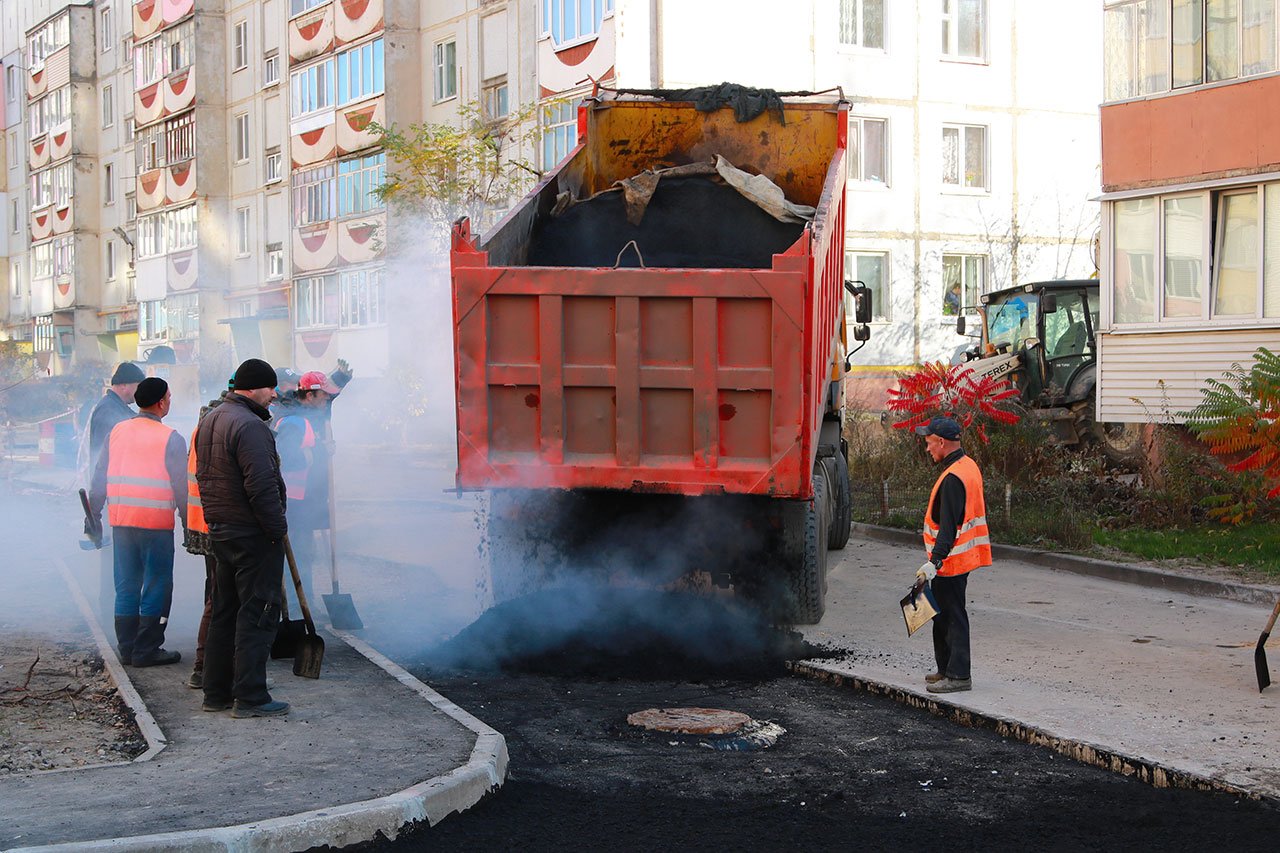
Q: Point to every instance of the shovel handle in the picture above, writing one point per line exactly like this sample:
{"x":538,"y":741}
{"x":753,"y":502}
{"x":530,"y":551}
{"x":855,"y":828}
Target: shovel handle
{"x":297,"y":585}
{"x":1271,"y":623}
{"x":333,"y":515}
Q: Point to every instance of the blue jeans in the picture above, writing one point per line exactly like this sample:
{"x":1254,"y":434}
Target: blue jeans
{"x":143,"y":571}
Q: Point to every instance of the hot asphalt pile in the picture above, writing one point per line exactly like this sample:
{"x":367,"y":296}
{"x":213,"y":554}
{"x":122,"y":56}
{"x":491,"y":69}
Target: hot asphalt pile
{"x":614,"y":632}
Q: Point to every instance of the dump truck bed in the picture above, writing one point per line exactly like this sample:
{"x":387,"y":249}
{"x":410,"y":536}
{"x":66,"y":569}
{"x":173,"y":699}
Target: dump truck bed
{"x":694,"y":379}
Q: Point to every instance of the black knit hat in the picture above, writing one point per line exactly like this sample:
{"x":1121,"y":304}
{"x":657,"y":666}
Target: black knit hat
{"x":254,"y":373}
{"x":150,"y":391}
{"x":127,"y":373}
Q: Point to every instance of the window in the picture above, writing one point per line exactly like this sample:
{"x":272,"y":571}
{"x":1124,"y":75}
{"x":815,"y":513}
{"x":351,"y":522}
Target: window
{"x":357,"y":179}
{"x":15,"y":215}
{"x":495,"y":100}
{"x":964,"y":156}
{"x":1221,"y":39}
{"x":1135,"y":47}
{"x":106,"y":33}
{"x":50,"y":111}
{"x":1134,"y":272}
{"x":559,"y":131}
{"x":183,"y":314}
{"x":181,"y":225}
{"x":275,"y":261}
{"x":42,"y":260}
{"x":313,"y":195}
{"x":964,"y":28}
{"x":15,"y":279}
{"x":1184,"y":232}
{"x":446,"y":70}
{"x":64,"y":255}
{"x":111,"y":260}
{"x":363,"y":298}
{"x":242,"y":137}
{"x":148,"y":62}
{"x":108,"y":106}
{"x":316,"y":302}
{"x":49,"y":39}
{"x":1235,"y":275}
{"x":271,"y":71}
{"x":869,"y":138}
{"x":12,"y":83}
{"x":242,"y":231}
{"x":13,"y":149}
{"x":109,"y":184}
{"x":41,"y":184}
{"x":151,"y":235}
{"x":311,"y":89}
{"x":872,"y":269}
{"x":240,"y":46}
{"x":61,"y":186}
{"x":43,"y":337}
{"x":153,"y":322}
{"x":963,"y":279}
{"x":130,"y":207}
{"x":297,"y":7}
{"x":149,"y":148}
{"x":178,"y":43}
{"x":570,"y":20}
{"x":272,"y":167}
{"x":180,"y":138}
{"x":360,"y":72}
{"x":862,"y":23}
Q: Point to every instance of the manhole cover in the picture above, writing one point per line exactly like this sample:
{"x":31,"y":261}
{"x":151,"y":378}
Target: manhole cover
{"x":690,"y":721}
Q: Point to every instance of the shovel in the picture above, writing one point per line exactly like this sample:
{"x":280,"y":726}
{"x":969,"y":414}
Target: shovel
{"x":92,"y":526}
{"x":342,"y":610}
{"x":310,"y":647}
{"x":289,"y":634}
{"x":1260,"y":653}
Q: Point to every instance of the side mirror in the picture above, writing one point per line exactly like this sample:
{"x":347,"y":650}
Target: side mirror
{"x":960,"y":325}
{"x":1031,"y":343}
{"x":862,"y":332}
{"x":1049,"y":303}
{"x":861,"y":301}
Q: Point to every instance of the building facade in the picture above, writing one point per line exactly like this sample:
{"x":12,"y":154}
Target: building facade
{"x":1191,"y":203}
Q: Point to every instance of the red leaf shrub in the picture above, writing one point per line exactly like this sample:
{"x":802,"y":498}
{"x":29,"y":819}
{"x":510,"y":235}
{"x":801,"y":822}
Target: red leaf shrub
{"x":953,"y":391}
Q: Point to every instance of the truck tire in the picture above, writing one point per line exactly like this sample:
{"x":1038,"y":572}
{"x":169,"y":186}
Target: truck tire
{"x":1121,"y":443}
{"x":806,"y":556}
{"x":841,"y":499}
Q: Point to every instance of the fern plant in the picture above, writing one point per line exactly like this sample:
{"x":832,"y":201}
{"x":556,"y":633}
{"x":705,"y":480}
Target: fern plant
{"x":953,"y":391}
{"x":1239,"y":419}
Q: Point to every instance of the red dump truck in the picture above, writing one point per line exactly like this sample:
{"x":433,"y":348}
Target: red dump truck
{"x":648,"y":362}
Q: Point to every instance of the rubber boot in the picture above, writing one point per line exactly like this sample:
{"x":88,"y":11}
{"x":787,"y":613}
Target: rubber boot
{"x":147,"y":651}
{"x":126,"y":637}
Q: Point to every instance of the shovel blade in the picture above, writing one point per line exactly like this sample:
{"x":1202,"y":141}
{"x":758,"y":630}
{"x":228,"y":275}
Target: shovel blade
{"x":1260,"y":662}
{"x":288,"y":635}
{"x":342,"y":612}
{"x":308,"y":657}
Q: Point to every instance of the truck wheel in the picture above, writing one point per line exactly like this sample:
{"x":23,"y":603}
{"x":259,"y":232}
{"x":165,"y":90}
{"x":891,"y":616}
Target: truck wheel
{"x":806,"y":555}
{"x":1120,"y":442}
{"x":841,"y":499}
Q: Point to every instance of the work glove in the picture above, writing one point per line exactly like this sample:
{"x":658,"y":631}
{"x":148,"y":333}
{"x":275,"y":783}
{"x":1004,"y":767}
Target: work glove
{"x":927,"y":572}
{"x":341,"y":374}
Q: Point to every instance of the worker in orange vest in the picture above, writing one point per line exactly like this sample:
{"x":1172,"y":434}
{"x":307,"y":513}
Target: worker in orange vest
{"x":141,"y":477}
{"x":956,"y":541}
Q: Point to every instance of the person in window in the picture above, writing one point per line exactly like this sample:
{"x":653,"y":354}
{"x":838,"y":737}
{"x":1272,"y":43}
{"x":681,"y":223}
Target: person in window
{"x":951,"y":301}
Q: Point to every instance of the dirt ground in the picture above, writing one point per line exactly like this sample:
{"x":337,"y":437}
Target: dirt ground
{"x":59,"y":708}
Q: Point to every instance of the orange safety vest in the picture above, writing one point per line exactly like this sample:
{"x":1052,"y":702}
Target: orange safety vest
{"x":139,"y":491}
{"x":195,"y":508}
{"x":295,"y":481}
{"x":972,"y":548}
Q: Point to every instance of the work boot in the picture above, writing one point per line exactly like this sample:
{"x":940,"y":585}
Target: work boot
{"x":146,"y":650}
{"x":950,"y":685}
{"x":126,"y":637}
{"x":196,"y":680}
{"x":934,"y":677}
{"x":266,"y":709}
{"x":215,"y":706}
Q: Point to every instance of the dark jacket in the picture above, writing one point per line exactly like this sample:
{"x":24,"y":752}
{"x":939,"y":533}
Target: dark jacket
{"x":108,"y":412}
{"x":175,"y":462}
{"x":948,"y":510}
{"x":238,"y":472}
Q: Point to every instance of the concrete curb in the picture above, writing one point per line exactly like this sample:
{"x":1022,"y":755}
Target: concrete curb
{"x":1144,"y":770}
{"x":1076,"y":564}
{"x":339,"y":826}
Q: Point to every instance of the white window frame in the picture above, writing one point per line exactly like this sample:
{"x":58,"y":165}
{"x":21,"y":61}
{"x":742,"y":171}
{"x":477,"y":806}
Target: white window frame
{"x":271,"y":70}
{"x":15,"y":214}
{"x":858,"y":165}
{"x":244,"y":236}
{"x":881,"y":305}
{"x":559,"y":130}
{"x":110,"y":261}
{"x":12,"y":82}
{"x":241,"y":138}
{"x":362,"y":298}
{"x":495,"y":99}
{"x":183,"y":314}
{"x":180,"y":138}
{"x":362,"y":66}
{"x":182,"y":225}
{"x":979,"y":288}
{"x":64,"y":255}
{"x":108,"y":106}
{"x":153,"y":320}
{"x":358,"y":177}
{"x":275,"y":261}
{"x":961,"y":183}
{"x":42,"y":260}
{"x":272,"y":173}
{"x":13,"y":149}
{"x":106,"y":33}
{"x":239,"y":46}
{"x":310,"y":292}
{"x":315,"y":194}
{"x":561,"y":20}
{"x":856,"y":9}
{"x":312,"y":89}
{"x":297,"y":7}
{"x":109,"y":183}
{"x":951,"y":21}
{"x":179,"y":46}
{"x":444,"y":74}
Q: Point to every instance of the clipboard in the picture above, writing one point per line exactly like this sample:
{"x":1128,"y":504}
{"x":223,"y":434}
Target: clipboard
{"x":918,"y":607}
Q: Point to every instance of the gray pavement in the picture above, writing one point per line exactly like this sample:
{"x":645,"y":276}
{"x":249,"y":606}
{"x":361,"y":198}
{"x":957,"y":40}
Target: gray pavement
{"x":1124,"y":675}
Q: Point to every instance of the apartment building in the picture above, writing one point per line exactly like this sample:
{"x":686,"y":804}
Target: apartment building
{"x":1191,"y":203}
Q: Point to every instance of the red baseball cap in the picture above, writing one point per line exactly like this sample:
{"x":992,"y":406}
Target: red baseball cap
{"x":317,"y":381}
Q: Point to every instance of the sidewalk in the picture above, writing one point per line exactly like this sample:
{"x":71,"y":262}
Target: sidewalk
{"x":1129,"y":676}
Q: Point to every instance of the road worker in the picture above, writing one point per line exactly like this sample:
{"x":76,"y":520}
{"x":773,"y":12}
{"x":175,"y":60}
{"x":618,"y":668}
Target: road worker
{"x":956,"y":541}
{"x":141,"y":476}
